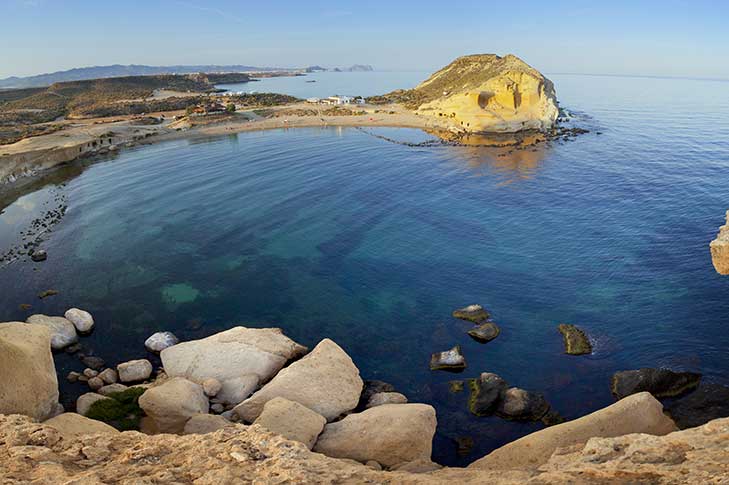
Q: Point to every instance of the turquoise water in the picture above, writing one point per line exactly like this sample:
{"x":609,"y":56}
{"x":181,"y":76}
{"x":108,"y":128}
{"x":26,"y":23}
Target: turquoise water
{"x":335,"y":233}
{"x":331,"y":83}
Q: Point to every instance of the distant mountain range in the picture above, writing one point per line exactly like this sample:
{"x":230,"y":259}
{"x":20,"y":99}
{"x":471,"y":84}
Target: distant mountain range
{"x":118,"y":70}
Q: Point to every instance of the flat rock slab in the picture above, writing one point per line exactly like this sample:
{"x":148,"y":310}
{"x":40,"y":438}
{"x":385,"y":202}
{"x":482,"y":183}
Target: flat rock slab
{"x":72,"y":424}
{"x":292,"y":420}
{"x":390,"y":434}
{"x":325,"y":381}
{"x":63,"y":333}
{"x":472,"y":313}
{"x":240,"y":358}
{"x":28,"y":382}
{"x":485,"y":332}
{"x":451,"y":360}
{"x":639,"y":413}
{"x":659,"y":382}
{"x":575,"y":340}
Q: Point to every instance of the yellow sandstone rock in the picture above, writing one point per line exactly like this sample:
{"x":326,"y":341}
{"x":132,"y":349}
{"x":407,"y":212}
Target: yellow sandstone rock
{"x":486,"y":93}
{"x":720,"y":249}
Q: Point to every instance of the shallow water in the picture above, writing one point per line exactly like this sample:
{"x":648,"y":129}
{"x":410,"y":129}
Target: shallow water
{"x":336,"y":233}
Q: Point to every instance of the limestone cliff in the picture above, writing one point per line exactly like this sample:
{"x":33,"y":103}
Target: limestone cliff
{"x":30,"y":452}
{"x":720,"y":249}
{"x":485,"y":93}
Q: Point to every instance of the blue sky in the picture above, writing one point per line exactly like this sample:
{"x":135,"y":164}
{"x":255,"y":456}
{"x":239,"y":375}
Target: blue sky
{"x":668,"y":37}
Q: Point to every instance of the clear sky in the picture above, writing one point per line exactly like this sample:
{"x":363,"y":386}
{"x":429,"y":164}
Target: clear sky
{"x":666,"y":37}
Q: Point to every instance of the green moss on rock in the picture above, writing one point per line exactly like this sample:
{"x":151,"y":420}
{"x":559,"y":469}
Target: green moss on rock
{"x":575,"y":340}
{"x":122,"y":411}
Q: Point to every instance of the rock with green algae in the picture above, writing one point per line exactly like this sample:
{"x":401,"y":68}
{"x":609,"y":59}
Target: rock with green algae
{"x":122,"y":411}
{"x":451,"y":360}
{"x":485,"y":332}
{"x":575,"y":340}
{"x":472,"y":313}
{"x":659,"y":382}
{"x":486,"y":392}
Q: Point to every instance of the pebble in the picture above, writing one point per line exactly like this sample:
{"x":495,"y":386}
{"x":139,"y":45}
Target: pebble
{"x":95,"y":383}
{"x":109,"y":376}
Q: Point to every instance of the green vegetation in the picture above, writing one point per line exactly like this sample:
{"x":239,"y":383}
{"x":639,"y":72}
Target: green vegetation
{"x":230,"y":108}
{"x":122,"y":411}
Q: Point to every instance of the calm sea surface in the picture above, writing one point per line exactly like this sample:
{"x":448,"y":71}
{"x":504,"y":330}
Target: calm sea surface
{"x":336,"y":233}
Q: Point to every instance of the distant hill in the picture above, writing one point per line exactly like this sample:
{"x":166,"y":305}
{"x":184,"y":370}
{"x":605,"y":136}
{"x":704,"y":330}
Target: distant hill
{"x":118,"y":70}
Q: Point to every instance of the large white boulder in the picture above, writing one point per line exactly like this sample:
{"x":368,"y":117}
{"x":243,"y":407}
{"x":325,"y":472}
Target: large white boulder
{"x":63,"y":333}
{"x":28,"y":382}
{"x":240,"y":358}
{"x":638,"y":413}
{"x":325,"y":381}
{"x":292,"y":420}
{"x":81,"y":319}
{"x":389,"y":434}
{"x":171,"y":404}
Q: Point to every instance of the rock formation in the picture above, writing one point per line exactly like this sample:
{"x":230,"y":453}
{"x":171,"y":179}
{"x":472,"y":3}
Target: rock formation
{"x":659,"y":382}
{"x":720,"y":249}
{"x":28,"y":382}
{"x":575,"y":340}
{"x":485,"y":93}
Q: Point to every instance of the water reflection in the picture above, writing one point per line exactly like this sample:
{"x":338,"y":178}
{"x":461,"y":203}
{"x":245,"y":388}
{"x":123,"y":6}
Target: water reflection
{"x":515,"y":162}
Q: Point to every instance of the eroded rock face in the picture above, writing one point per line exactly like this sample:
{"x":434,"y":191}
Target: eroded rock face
{"x":32,"y":452}
{"x":240,"y":358}
{"x":639,"y":413}
{"x":486,"y":93}
{"x":390,"y":434}
{"x":326,"y":381}
{"x":720,"y":249}
{"x":292,"y":421}
{"x":171,"y":404}
{"x":28,"y":382}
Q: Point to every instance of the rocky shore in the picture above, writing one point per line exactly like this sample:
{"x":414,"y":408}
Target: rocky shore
{"x":250,"y":403}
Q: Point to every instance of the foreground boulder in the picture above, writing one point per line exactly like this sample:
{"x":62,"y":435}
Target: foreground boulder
{"x":390,"y":434}
{"x":575,"y":340}
{"x":720,"y":249}
{"x":292,"y":420}
{"x":72,"y":424}
{"x":28,"y":382}
{"x":639,"y":413}
{"x":240,"y":358}
{"x":659,"y":382}
{"x":171,"y":404}
{"x":63,"y":333}
{"x":325,"y":381}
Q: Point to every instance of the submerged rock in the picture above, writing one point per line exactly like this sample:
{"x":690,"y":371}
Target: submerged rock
{"x":96,"y":363}
{"x":63,"y":333}
{"x":390,"y":435}
{"x":240,"y":358}
{"x":159,"y":341}
{"x":485,"y":332}
{"x":708,"y":402}
{"x":82,"y":320}
{"x":486,"y":393}
{"x":719,"y":248}
{"x":472,"y":313}
{"x":659,"y":382}
{"x":575,"y":340}
{"x":451,"y":360}
{"x":28,"y":382}
{"x":292,"y":420}
{"x":455,"y":386}
{"x":522,"y":405}
{"x":39,"y":255}
{"x":325,"y":380}
{"x":464,"y":445}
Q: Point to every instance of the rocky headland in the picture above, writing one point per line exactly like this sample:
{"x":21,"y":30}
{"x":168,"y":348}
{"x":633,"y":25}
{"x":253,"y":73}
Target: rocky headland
{"x":720,"y":249}
{"x":252,"y":405}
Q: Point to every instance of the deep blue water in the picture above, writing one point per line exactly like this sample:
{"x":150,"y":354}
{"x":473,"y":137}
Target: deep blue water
{"x":335,"y":233}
